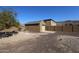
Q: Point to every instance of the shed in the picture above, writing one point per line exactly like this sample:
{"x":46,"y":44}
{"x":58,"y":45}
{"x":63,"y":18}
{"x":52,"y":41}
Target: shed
{"x":35,"y":26}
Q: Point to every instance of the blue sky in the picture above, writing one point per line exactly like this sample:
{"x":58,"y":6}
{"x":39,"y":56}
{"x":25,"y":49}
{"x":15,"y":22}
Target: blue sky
{"x":34,"y":13}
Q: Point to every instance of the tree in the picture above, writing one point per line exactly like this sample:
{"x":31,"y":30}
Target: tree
{"x":8,"y":19}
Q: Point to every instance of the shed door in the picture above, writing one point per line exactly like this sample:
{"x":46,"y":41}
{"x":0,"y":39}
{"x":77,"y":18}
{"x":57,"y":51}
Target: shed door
{"x":43,"y":28}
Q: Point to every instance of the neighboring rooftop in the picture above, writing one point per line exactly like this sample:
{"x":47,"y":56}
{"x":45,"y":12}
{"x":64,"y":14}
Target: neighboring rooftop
{"x":34,"y":22}
{"x":73,"y":21}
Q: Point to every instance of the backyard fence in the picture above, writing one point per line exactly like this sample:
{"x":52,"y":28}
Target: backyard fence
{"x":70,"y":28}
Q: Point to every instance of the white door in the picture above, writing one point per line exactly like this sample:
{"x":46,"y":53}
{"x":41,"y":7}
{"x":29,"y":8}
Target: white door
{"x":43,"y":28}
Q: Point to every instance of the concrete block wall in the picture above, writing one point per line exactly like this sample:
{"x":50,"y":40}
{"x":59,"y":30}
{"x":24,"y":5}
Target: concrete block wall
{"x":59,"y":28}
{"x":76,"y":28}
{"x":50,"y":28}
{"x":35,"y":28}
{"x":73,"y":28}
{"x":67,"y":29}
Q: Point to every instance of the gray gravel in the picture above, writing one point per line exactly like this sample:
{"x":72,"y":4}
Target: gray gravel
{"x":47,"y":42}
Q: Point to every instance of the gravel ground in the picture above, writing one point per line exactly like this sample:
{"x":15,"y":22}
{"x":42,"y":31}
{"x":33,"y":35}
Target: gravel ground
{"x":48,"y":42}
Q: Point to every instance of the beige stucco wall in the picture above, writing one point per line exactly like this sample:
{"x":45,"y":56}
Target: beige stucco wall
{"x":42,"y":26}
{"x":53,"y":23}
{"x":50,"y":23}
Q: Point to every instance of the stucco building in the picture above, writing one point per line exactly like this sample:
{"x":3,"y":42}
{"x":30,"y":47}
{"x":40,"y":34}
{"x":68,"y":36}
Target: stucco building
{"x":51,"y":25}
{"x":40,"y":26}
{"x":36,"y":26}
